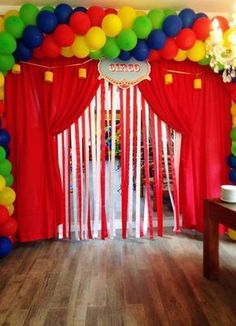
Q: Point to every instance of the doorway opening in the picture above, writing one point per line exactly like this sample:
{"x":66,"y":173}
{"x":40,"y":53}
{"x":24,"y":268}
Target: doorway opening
{"x":119,"y":167}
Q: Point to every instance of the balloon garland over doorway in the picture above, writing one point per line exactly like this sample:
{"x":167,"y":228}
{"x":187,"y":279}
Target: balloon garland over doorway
{"x":96,"y":32}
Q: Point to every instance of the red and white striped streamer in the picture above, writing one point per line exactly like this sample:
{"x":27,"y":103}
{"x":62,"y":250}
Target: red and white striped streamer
{"x":88,"y":164}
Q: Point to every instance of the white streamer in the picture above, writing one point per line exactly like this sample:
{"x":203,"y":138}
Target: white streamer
{"x":74,"y":182}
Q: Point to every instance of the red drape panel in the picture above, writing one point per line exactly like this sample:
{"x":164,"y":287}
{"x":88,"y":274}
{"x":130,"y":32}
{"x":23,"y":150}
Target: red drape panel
{"x":36,"y":112}
{"x":203,"y":118}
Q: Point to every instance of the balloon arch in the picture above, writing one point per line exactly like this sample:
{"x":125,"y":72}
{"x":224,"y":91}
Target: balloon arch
{"x":95,"y":32}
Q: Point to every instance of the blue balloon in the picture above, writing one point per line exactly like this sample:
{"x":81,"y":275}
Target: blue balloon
{"x":232,"y":161}
{"x":5,"y":246}
{"x":156,"y":39}
{"x":200,"y":15}
{"x":82,"y":9}
{"x":232,"y":176}
{"x":125,"y":55}
{"x":172,"y":25}
{"x":4,"y":137}
{"x":63,"y":12}
{"x":188,"y":17}
{"x":7,"y":150}
{"x":47,"y":22}
{"x":32,"y":37}
{"x":141,"y":51}
{"x":22,"y":52}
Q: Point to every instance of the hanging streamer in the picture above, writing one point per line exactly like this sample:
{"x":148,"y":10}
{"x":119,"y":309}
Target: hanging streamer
{"x":98,"y":165}
{"x":60,"y":162}
{"x":112,"y":164}
{"x":66,"y":156}
{"x":94,"y":164}
{"x":103,"y":166}
{"x":174,"y":184}
{"x":156,"y":183}
{"x":167,"y":173}
{"x":146,"y":167}
{"x":79,"y":180}
{"x":138,"y":165}
{"x":74,"y":181}
{"x":130,"y":167}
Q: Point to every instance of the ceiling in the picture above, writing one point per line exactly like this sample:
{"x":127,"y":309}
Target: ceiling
{"x":209,"y":6}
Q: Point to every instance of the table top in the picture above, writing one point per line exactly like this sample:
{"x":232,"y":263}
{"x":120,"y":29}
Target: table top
{"x":224,"y":213}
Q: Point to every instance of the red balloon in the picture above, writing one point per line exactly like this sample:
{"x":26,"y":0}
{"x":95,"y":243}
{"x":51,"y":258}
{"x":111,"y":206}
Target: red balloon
{"x":4,"y":214}
{"x":64,"y":35}
{"x":109,"y":11}
{"x":185,"y":39}
{"x":9,"y":228}
{"x":154,"y":55}
{"x":38,"y":53}
{"x":12,"y":238}
{"x":223,"y":22}
{"x":202,"y":27}
{"x":80,"y":22}
{"x":50,"y":47}
{"x":2,"y":110}
{"x":170,"y":49}
{"x":96,"y":15}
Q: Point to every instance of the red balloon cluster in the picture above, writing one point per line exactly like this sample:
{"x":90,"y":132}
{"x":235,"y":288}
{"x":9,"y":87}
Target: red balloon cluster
{"x":186,"y":39}
{"x":8,"y":225}
{"x":80,"y":22}
{"x":96,"y":15}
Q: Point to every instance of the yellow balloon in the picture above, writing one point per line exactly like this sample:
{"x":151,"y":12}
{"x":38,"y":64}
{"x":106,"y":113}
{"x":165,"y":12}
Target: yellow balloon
{"x":197,"y":52}
{"x":2,"y":183}
{"x":233,"y":109}
{"x":112,"y":25}
{"x":232,"y":234}
{"x":227,"y":36}
{"x":234,"y":122}
{"x":7,"y":196}
{"x":67,"y":52}
{"x":140,"y":13}
{"x":2,"y":79}
{"x":181,"y":55}
{"x":11,"y":209}
{"x":1,"y":93}
{"x":127,"y":15}
{"x":96,"y":38}
{"x":1,"y":24}
{"x":11,"y":13}
{"x":80,"y":47}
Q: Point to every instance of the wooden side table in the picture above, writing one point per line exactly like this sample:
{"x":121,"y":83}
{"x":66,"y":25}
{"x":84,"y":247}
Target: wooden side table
{"x":215,"y":212}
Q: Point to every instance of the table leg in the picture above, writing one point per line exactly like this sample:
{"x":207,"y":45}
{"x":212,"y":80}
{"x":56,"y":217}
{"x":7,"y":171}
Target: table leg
{"x":210,"y":247}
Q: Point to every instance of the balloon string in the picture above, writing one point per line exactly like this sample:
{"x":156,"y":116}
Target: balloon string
{"x":53,"y":67}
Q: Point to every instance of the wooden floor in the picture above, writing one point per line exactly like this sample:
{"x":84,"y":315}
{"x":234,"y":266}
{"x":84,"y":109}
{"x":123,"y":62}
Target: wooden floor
{"x":116,"y":282}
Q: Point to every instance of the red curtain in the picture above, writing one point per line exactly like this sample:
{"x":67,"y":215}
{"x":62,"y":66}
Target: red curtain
{"x":36,"y":112}
{"x":202,"y":116}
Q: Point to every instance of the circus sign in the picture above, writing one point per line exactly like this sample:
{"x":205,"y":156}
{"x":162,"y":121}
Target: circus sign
{"x":124,"y":74}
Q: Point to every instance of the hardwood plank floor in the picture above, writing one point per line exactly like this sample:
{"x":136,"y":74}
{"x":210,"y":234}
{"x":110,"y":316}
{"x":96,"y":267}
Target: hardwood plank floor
{"x":117,"y":282}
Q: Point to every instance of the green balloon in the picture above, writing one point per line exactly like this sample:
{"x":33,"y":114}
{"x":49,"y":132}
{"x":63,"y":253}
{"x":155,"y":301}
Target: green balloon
{"x":47,"y":8}
{"x":6,"y":62}
{"x":142,"y":27}
{"x":5,"y":167}
{"x":9,"y":180}
{"x":157,"y":17}
{"x":4,"y":72}
{"x":28,"y":13}
{"x":96,"y":55}
{"x":2,"y":153}
{"x":169,"y":12}
{"x":127,"y":39}
{"x":233,"y":134}
{"x":7,"y":43}
{"x":233,"y":147}
{"x":111,"y":50}
{"x":205,"y":61}
{"x":15,"y":26}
